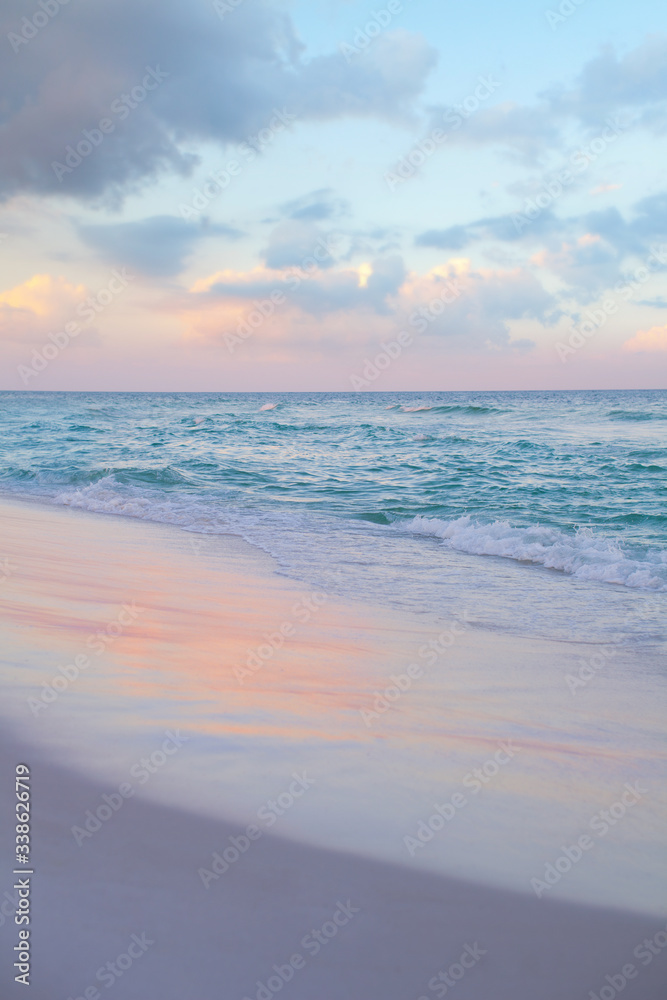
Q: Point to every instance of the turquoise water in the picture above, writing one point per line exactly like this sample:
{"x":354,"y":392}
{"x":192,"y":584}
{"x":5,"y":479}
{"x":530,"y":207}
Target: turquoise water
{"x":544,"y":511}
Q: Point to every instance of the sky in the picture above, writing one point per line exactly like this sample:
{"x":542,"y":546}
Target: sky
{"x":332,"y":195}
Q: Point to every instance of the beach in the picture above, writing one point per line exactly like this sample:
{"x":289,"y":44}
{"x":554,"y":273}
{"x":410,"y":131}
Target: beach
{"x":426,"y":793}
{"x":333,"y":501}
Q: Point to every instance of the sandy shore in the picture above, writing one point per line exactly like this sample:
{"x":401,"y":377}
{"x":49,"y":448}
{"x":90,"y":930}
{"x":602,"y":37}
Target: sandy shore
{"x":177,"y":616}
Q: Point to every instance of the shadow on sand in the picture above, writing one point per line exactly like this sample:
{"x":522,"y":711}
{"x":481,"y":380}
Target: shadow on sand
{"x":138,"y":875}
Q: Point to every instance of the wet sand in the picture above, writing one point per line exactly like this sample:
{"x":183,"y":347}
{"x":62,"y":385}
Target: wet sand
{"x":177,"y":616}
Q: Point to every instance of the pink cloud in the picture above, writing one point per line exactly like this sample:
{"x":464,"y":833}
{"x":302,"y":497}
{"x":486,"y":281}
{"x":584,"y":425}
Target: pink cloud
{"x":30,"y":310}
{"x":357,"y":306}
{"x":654,"y":339}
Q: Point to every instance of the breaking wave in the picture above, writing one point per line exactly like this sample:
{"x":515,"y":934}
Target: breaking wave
{"x":584,"y":555}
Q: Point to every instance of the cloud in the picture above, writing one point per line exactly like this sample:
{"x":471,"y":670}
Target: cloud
{"x":157,"y":246}
{"x":315,"y":207}
{"x":220,"y":81}
{"x":652,"y":340}
{"x":603,"y":188}
{"x":609,"y":85}
{"x":588,"y":264}
{"x":384,"y":81}
{"x":38,"y":306}
{"x":658,"y":303}
{"x":488,"y":300}
{"x":651,"y":219}
{"x":499,"y":227}
{"x":292,"y":242}
{"x":635,"y":86}
{"x":525,"y":131}
{"x":636,"y":235}
{"x":376,"y":299}
{"x":383,"y":278}
{"x":368,"y":288}
{"x":587,"y":252}
{"x":453,"y":238}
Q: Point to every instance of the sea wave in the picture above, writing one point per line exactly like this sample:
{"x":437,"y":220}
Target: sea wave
{"x":106,"y":496}
{"x":584,"y":554}
{"x":636,"y":415}
{"x":454,"y":408}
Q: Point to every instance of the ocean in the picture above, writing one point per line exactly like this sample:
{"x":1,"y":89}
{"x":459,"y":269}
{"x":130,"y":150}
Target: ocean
{"x":540,"y":513}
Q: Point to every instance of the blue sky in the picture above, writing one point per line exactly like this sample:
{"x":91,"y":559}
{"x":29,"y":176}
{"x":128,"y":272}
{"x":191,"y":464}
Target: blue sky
{"x":427,"y":141}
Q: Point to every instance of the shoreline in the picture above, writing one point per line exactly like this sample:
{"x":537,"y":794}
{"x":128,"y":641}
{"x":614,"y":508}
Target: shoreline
{"x":556,"y":595}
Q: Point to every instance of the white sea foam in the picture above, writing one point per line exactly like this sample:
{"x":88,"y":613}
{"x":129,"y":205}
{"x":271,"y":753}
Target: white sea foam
{"x":584,"y":555}
{"x":105,"y":497}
